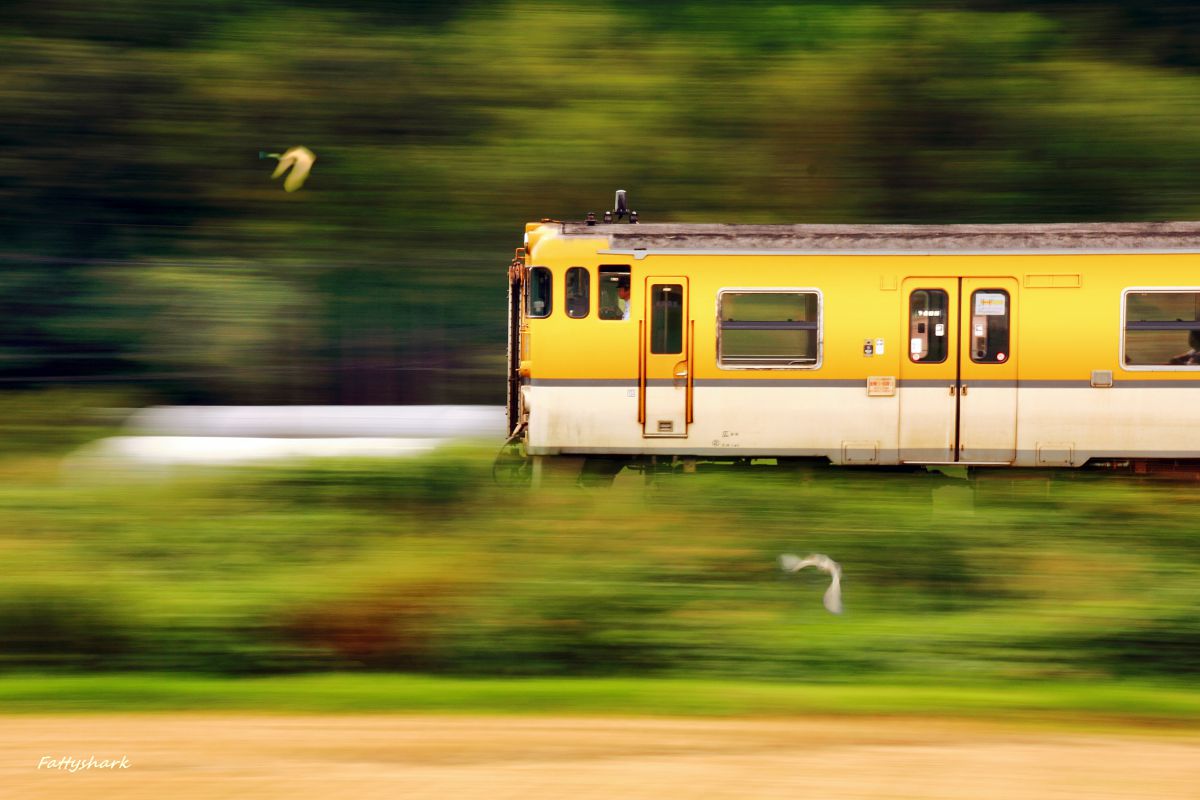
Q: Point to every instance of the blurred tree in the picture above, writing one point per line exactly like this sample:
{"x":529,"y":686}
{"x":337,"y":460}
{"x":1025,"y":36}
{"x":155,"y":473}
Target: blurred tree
{"x":128,"y":162}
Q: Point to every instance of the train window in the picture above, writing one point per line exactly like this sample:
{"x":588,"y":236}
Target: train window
{"x":578,"y":292}
{"x":928,"y":319}
{"x":537,"y":292}
{"x":768,"y":329}
{"x":666,"y":318}
{"x":614,"y":292}
{"x":989,"y":326}
{"x":1162,"y":328}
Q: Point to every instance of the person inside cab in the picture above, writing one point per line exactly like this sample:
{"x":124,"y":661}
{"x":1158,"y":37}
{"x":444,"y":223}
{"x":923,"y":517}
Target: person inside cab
{"x":614,"y":293}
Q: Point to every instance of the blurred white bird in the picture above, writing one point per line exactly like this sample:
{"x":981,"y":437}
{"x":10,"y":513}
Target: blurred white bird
{"x":833,"y":595}
{"x":299,"y":160}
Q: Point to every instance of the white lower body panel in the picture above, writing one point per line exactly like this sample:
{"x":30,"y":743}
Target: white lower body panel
{"x":1053,"y":427}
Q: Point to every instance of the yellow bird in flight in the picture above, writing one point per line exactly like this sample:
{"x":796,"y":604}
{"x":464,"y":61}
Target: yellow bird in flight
{"x":299,"y":160}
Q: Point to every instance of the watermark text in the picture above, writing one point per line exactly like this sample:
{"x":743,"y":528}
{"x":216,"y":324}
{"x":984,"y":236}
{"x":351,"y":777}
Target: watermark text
{"x":68,"y":764}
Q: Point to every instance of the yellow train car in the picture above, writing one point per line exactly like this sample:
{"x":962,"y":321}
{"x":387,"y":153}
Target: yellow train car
{"x":1058,"y":345}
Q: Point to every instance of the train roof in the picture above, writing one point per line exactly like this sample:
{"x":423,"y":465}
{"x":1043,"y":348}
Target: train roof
{"x":1083,"y":237}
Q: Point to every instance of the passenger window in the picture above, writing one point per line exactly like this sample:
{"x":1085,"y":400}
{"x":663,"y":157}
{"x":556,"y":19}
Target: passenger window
{"x":537,"y":292}
{"x":927,"y":323}
{"x":1162,"y":328}
{"x":614,"y":292}
{"x":666,"y":318}
{"x":989,"y":326}
{"x":578,"y":292}
{"x":768,"y":329}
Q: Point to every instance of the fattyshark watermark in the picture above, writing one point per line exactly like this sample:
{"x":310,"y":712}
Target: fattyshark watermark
{"x":68,"y":764}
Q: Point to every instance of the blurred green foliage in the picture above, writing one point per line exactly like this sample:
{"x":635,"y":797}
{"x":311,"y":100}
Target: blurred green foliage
{"x":426,"y":565}
{"x":51,"y":422}
{"x":143,"y":243}
{"x":1090,"y":703}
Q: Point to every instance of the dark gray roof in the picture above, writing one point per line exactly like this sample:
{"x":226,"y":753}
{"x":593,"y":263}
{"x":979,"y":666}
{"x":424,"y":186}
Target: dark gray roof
{"x":922,"y":238}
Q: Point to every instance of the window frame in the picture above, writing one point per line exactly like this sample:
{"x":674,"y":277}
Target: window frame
{"x":946,"y":334}
{"x":791,"y":366}
{"x":587,"y":292}
{"x":681,"y":291}
{"x":549,"y":293}
{"x":600,"y":274}
{"x":1124,"y":329}
{"x":1008,"y":325}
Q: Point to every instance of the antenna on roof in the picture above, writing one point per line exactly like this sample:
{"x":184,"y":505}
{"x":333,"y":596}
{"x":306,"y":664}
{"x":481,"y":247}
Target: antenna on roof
{"x":621,"y":208}
{"x":620,"y":211}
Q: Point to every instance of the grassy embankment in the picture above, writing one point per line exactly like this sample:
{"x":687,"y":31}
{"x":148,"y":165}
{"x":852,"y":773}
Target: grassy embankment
{"x":425,"y":586}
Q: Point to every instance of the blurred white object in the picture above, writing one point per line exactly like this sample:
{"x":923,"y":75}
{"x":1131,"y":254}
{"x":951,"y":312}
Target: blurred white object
{"x":444,"y":422}
{"x":833,"y":595}
{"x":299,"y":160}
{"x":164,"y":436}
{"x":166,"y":450}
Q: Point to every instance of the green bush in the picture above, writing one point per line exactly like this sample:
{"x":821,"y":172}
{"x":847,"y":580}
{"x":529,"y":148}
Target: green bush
{"x":427,"y":565}
{"x":65,"y":625}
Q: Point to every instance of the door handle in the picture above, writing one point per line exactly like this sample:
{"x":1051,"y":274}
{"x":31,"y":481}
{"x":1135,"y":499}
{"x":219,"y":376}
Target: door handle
{"x":679,"y":372}
{"x":953,"y":390}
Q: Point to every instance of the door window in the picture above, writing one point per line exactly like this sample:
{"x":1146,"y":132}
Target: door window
{"x":928,"y":322}
{"x":666,"y":318}
{"x":989,"y":326}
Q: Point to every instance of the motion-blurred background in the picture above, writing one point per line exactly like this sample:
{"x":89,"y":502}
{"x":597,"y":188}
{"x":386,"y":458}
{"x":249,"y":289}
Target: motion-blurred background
{"x":147,"y":258}
{"x":144,"y":248}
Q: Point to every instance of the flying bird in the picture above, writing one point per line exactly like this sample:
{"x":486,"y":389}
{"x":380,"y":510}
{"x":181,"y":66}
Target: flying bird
{"x":299,"y":160}
{"x":833,"y":595}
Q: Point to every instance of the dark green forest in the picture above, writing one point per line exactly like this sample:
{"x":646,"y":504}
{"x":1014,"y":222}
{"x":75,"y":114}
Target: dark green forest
{"x":145,"y":250}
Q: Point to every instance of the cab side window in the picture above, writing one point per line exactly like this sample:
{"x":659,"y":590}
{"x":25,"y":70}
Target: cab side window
{"x":614,"y":292}
{"x":537,"y":292}
{"x":578,"y":292}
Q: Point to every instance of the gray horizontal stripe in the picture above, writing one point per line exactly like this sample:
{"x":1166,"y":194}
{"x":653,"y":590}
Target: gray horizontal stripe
{"x":1087,"y":384}
{"x":812,"y":383}
{"x":639,"y":254}
{"x":858,"y":383}
{"x":1027,"y":458}
{"x":681,"y":447}
{"x":582,"y":383}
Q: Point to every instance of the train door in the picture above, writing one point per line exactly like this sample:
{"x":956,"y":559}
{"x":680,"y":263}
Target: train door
{"x":665,"y":358}
{"x":958,"y":380}
{"x":987,"y":405}
{"x":929,"y":371}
